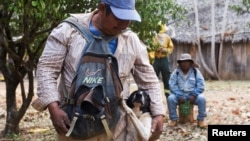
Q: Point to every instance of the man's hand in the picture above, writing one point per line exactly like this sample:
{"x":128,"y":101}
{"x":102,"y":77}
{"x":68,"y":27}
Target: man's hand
{"x":163,"y":50}
{"x":157,"y":127}
{"x":181,"y":100}
{"x":192,"y":99}
{"x":59,"y":118}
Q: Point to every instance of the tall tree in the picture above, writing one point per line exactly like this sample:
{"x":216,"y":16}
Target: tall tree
{"x":213,"y":71}
{"x":213,"y":59}
{"x":243,"y":7}
{"x":197,"y":24}
{"x":222,"y":34}
{"x":24,"y":27}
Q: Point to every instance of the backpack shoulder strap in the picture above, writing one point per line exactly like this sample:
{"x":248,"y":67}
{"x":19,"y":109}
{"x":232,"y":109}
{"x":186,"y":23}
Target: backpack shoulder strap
{"x":177,"y":73}
{"x":195,"y":72}
{"x":85,"y":33}
{"x":195,"y":75}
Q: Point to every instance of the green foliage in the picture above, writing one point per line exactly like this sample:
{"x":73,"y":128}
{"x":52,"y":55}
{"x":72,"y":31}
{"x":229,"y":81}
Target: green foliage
{"x":13,"y":136}
{"x":153,"y":11}
{"x":242,"y":8}
{"x":27,"y":23}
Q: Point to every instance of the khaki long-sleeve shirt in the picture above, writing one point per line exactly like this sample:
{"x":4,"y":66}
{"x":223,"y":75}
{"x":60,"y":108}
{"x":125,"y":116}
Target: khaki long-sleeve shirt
{"x":62,"y":54}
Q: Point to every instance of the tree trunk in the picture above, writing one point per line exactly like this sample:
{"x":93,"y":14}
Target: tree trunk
{"x":222,"y":36}
{"x":12,"y":123}
{"x":203,"y":63}
{"x":213,"y":58}
{"x":15,"y":114}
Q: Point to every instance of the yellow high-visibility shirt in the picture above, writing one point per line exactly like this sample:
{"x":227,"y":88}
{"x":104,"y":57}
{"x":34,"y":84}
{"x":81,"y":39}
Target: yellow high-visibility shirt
{"x":165,"y":44}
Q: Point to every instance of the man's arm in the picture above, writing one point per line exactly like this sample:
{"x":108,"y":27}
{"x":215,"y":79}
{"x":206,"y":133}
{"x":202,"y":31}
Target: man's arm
{"x":49,"y":68}
{"x":169,"y":45}
{"x":200,"y":84}
{"x":146,"y":79}
{"x":173,"y":85}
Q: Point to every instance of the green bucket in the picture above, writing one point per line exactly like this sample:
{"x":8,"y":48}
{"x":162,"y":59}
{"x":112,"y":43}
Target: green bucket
{"x":185,"y":108}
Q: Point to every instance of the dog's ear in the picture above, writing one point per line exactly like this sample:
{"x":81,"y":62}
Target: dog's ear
{"x":147,"y":97}
{"x":130,"y":99}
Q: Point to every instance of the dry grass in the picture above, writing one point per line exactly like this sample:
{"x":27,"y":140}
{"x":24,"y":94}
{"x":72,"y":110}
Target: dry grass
{"x":228,"y":102}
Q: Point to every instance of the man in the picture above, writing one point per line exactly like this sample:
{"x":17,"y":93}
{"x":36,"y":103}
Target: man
{"x":165,"y":47}
{"x":62,"y":54}
{"x":187,"y":84}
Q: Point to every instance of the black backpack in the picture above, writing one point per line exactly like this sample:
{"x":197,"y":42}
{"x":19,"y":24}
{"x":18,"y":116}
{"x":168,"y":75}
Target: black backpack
{"x":93,"y":104}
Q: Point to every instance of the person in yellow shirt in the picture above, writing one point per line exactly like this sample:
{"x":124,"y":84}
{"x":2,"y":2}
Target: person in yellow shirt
{"x":164,"y":47}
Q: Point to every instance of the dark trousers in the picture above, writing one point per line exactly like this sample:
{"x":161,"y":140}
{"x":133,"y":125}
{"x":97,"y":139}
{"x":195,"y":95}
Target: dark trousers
{"x":161,"y":65}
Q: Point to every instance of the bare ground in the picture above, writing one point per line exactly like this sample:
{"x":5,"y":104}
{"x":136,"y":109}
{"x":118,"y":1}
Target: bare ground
{"x":228,"y":102}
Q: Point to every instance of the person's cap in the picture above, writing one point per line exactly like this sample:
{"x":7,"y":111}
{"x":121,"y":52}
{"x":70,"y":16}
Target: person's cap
{"x":185,"y":57}
{"x":163,"y":27}
{"x":123,"y":9}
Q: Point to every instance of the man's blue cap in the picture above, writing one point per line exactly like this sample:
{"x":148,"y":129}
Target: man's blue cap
{"x":124,"y":9}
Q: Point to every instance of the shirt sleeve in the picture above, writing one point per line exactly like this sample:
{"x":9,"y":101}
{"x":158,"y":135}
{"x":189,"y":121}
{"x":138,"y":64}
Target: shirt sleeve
{"x":200,"y":84}
{"x":49,"y":67}
{"x":169,"y":45}
{"x":146,"y":79}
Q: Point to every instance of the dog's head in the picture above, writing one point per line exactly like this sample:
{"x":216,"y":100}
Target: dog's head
{"x":139,"y":97}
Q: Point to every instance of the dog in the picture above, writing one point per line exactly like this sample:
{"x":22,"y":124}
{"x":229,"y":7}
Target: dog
{"x":139,"y":102}
{"x":139,"y":123}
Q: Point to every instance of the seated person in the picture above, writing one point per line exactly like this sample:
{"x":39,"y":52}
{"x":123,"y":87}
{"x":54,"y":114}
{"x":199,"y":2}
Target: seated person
{"x":186,"y":84}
